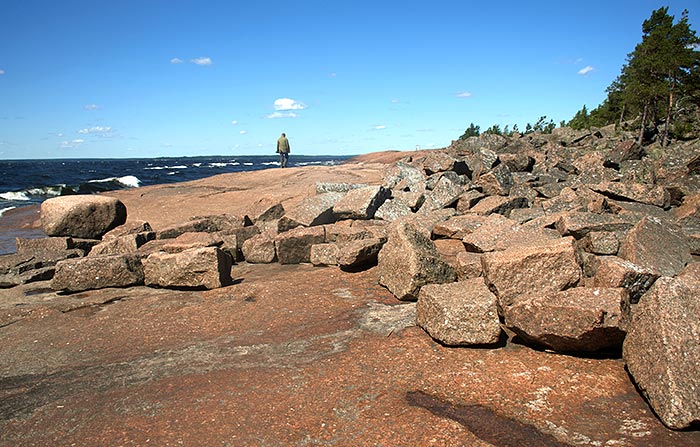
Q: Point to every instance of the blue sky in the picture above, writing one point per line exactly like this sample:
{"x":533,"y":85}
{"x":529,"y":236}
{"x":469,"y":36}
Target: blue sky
{"x":183,"y":78}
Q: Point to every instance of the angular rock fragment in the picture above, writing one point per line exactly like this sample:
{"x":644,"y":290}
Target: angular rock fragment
{"x":545,"y":266}
{"x":311,"y":211}
{"x":403,"y":176}
{"x":408,"y":261}
{"x":446,"y":192}
{"x":600,"y":243}
{"x":498,"y":181}
{"x":650,"y":194}
{"x":391,"y":210}
{"x":459,"y":314}
{"x":259,"y":249}
{"x":129,"y":227}
{"x":324,"y":254}
{"x":206,"y":224}
{"x":578,"y":224}
{"x":190,"y":240}
{"x":469,"y":199}
{"x":359,"y":253}
{"x":612,"y":271}
{"x":43,"y":244}
{"x":294,"y":246}
{"x":207,"y":268}
{"x":498,"y":204}
{"x":457,"y":227}
{"x":517,"y":162}
{"x":361,"y":203}
{"x":128,"y":243}
{"x":575,"y":320}
{"x":82,"y":216}
{"x":654,"y":246}
{"x":468,"y":265}
{"x":98,"y":272}
{"x":265,"y":210}
{"x":661,"y":350}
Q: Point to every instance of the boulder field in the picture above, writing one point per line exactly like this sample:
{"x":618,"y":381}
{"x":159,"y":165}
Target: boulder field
{"x":531,"y":290}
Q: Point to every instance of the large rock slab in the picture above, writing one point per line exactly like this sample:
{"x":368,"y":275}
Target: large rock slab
{"x":361,"y":203}
{"x":198,"y":268}
{"x":97,"y":272}
{"x":223,"y":223}
{"x":637,"y":192}
{"x":190,"y":240}
{"x":500,"y":233}
{"x":612,"y":271}
{"x":446,"y":191}
{"x":653,"y":245}
{"x":497,"y":181}
{"x":580,"y":223}
{"x":545,"y":266}
{"x":661,"y":350}
{"x":575,"y":320}
{"x":457,"y":227}
{"x":498,"y":204}
{"x":459,"y":314}
{"x":408,"y":261}
{"x":294,"y":246}
{"x":82,"y":216}
{"x":311,"y":211}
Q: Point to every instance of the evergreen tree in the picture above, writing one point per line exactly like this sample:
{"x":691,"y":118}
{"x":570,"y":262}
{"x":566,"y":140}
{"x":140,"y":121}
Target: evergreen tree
{"x":472,"y":131}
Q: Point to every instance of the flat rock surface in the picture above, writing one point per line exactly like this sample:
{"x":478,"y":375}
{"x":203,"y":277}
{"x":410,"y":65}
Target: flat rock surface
{"x":289,"y":355}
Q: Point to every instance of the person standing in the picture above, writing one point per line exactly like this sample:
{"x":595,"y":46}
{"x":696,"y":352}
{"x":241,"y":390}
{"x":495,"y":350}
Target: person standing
{"x":283,"y":149}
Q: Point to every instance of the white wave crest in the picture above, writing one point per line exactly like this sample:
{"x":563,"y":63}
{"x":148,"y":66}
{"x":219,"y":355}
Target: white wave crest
{"x":14,"y":195}
{"x":270,"y":163}
{"x":158,"y":168}
{"x":223,"y":165}
{"x":3,"y":210}
{"x":128,"y":180}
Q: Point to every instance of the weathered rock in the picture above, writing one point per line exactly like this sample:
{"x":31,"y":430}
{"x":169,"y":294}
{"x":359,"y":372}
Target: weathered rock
{"x":412,"y":199}
{"x":224,"y":223}
{"x":459,"y":314}
{"x":435,"y":162}
{"x":545,"y":266}
{"x":32,"y":265}
{"x":652,"y":245}
{"x":129,"y":227}
{"x":446,"y":191}
{"x":294,"y":246}
{"x":624,"y":151}
{"x":311,"y":211}
{"x":579,"y":223}
{"x":324,"y":187}
{"x":391,"y":210}
{"x":43,"y":244}
{"x":468,"y":265}
{"x":116,"y":245}
{"x":361,"y":203}
{"x":517,"y":162}
{"x":468,"y":199}
{"x":637,"y":192}
{"x":193,"y":226}
{"x":373,"y":228}
{"x":359,"y":253}
{"x":259,"y":249}
{"x":591,"y":168}
{"x":403,"y":176}
{"x":661,"y":350}
{"x":425,"y":222}
{"x":345,"y":231}
{"x":324,"y":254}
{"x":265,"y":210}
{"x":498,"y":181}
{"x":97,"y":272}
{"x":500,"y":233}
{"x":207,"y":268}
{"x":408,"y":261}
{"x":600,"y":243}
{"x":522,"y":215}
{"x":578,"y":319}
{"x":190,"y":240}
{"x":449,"y":249}
{"x":456,"y":227}
{"x":84,"y":216}
{"x":498,"y":204}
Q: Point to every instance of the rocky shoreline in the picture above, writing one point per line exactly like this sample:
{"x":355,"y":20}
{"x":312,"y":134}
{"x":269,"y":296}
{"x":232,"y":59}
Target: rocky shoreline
{"x":571,"y":254}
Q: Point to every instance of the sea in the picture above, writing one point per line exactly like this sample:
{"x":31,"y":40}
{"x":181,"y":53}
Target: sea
{"x":30,"y":182}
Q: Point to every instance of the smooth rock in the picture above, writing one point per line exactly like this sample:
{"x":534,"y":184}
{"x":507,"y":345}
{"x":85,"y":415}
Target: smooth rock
{"x":82,"y":216}
{"x":207,"y":268}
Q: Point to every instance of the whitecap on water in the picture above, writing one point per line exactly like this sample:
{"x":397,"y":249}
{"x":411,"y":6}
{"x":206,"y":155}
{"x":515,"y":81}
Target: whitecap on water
{"x":15,"y":195}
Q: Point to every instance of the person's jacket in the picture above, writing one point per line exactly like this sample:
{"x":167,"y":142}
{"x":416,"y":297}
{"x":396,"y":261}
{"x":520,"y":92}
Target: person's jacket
{"x":283,"y":145}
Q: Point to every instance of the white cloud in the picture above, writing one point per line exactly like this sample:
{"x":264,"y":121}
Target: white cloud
{"x":72,"y":143}
{"x":2,"y":72}
{"x":243,"y":132}
{"x":234,"y":122}
{"x":201,"y":61}
{"x":380,"y":127}
{"x":95,"y":130}
{"x":464,"y":94}
{"x":586,"y":70}
{"x":91,"y":107}
{"x":176,"y":60}
{"x":275,"y":115}
{"x":288,"y":104}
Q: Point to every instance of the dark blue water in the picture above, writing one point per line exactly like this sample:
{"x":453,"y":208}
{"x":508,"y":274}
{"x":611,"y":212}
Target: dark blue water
{"x":28,"y":182}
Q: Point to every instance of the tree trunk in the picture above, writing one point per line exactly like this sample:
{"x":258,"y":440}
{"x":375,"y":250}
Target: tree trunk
{"x":664,"y":142}
{"x":641,"y":128}
{"x":622,"y":116}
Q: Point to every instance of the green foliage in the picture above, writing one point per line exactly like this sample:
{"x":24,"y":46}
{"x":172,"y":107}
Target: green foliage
{"x":495,"y":130}
{"x":472,"y":131}
{"x":662,"y":72}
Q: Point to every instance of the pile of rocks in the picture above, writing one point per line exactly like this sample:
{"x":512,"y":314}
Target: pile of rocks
{"x":577,"y":242}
